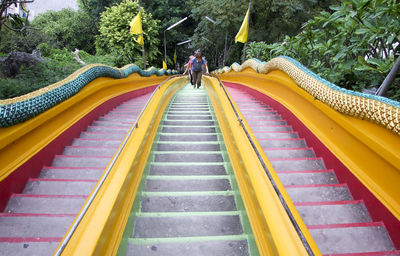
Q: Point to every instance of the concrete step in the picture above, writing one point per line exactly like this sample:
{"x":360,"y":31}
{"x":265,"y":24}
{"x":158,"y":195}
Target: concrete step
{"x":272,"y":128}
{"x":179,"y":185}
{"x":298,"y":164}
{"x":185,"y":226}
{"x":27,"y":247}
{"x":111,"y":124}
{"x":189,"y":123}
{"x":185,"y":112}
{"x":326,"y":213}
{"x":89,"y":151}
{"x":194,"y":157}
{"x":319,"y":193}
{"x":261,"y":116}
{"x":192,"y":129}
{"x":49,"y":172}
{"x":187,"y":117}
{"x":202,"y":247}
{"x":187,"y":169}
{"x":266,"y":122}
{"x":290,"y":153}
{"x":25,"y":203}
{"x":282,"y":143}
{"x":372,"y":237}
{"x":276,"y":135}
{"x":115,"y":118}
{"x":192,"y":137}
{"x":59,"y":187}
{"x":80,"y":161}
{"x":168,"y":146}
{"x":34,"y":226}
{"x":188,"y":203}
{"x":80,"y":142}
{"x":115,"y":129}
{"x":307,"y":178}
{"x":102,"y":135}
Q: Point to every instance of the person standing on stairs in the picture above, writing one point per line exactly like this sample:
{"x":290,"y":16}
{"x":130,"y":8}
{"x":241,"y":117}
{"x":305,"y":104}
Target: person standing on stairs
{"x":188,"y":70}
{"x":196,"y":65}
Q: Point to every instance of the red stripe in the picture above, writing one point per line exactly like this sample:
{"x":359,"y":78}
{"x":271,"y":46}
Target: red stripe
{"x":35,"y":215}
{"x":49,"y":196}
{"x":275,"y":132}
{"x":62,"y":180}
{"x":288,"y":148}
{"x":283,"y":139}
{"x":279,"y":125}
{"x":381,"y":253}
{"x":91,"y":147}
{"x":264,"y":120}
{"x":106,"y":133}
{"x":328,"y":203}
{"x":316,"y":185}
{"x":29,"y":239}
{"x":347,"y":225}
{"x":111,"y":127}
{"x":81,"y":156}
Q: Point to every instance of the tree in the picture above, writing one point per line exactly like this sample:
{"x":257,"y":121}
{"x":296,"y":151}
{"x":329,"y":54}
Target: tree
{"x":114,"y":37}
{"x":68,"y":28}
{"x":13,"y":21}
{"x":95,"y":7}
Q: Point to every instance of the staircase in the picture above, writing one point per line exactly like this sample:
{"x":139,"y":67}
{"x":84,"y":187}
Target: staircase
{"x":34,"y":222}
{"x":338,"y":224}
{"x":188,"y":203}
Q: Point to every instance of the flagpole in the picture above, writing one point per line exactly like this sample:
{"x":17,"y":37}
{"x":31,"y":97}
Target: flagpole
{"x":245,"y":44}
{"x":143,"y":52}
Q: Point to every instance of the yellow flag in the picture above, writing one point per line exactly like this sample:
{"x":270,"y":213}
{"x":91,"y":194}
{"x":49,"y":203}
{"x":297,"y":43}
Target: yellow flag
{"x":175,"y":56}
{"x":164,"y":65}
{"x":136,"y":28}
{"x":241,"y":36}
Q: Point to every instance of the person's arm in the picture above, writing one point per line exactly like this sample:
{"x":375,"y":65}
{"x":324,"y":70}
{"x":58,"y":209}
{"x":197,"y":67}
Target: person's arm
{"x":205,"y":65}
{"x":187,"y":68}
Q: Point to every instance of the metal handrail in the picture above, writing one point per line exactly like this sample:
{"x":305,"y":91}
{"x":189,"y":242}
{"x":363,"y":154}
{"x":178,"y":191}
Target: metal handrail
{"x":271,"y":179}
{"x":78,"y":220}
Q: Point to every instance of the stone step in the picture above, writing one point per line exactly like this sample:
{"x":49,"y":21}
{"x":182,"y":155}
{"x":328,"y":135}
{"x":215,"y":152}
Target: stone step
{"x":71,"y":173}
{"x":215,"y":247}
{"x":188,"y":203}
{"x":115,"y":118}
{"x":194,"y":157}
{"x":319,"y":193}
{"x":266,"y":122}
{"x":290,"y":153}
{"x":22,"y":203}
{"x":189,"y":123}
{"x":89,"y":151}
{"x":34,"y":226}
{"x":102,"y":135}
{"x":325,"y":213}
{"x":193,"y":137}
{"x":191,"y":129}
{"x":298,"y":164}
{"x":80,"y":161}
{"x":106,"y":129}
{"x":262,"y":117}
{"x":187,"y":226}
{"x":272,"y":128}
{"x":29,"y":247}
{"x":187,"y":117}
{"x":282,"y":143}
{"x":276,"y":135}
{"x":352,"y":239}
{"x":180,"y":185}
{"x":80,"y":142}
{"x":307,"y":178}
{"x":187,"y":169}
{"x":111,"y":124}
{"x":187,"y":146}
{"x":59,"y":187}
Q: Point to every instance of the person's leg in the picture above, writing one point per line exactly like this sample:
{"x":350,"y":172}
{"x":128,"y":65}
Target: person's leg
{"x":195,"y":77}
{"x":199,"y":79}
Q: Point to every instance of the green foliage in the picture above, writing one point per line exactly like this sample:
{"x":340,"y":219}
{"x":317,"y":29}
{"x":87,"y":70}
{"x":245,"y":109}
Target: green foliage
{"x":21,"y":42}
{"x":95,"y":7}
{"x":59,"y":64}
{"x":352,"y":47}
{"x":115,"y":39}
{"x":67,"y":28}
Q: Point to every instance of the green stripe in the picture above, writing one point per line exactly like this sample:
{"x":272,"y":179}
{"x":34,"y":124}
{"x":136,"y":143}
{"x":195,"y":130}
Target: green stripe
{"x":180,"y":133}
{"x":188,"y":163}
{"x":188,"y":142}
{"x":187,"y":177}
{"x":139,"y":241}
{"x":188,"y":152}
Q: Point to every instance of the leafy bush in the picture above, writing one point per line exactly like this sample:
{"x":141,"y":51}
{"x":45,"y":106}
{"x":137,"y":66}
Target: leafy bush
{"x":352,"y":47}
{"x":68,"y":28}
{"x":115,"y":39}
